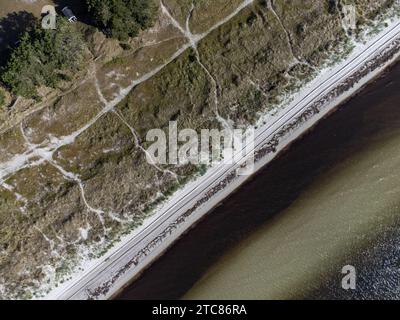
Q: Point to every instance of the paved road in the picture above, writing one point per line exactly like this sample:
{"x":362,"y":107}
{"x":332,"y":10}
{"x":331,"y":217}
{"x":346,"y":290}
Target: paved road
{"x":111,"y":264}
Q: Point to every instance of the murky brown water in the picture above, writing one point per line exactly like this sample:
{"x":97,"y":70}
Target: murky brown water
{"x":333,"y":199}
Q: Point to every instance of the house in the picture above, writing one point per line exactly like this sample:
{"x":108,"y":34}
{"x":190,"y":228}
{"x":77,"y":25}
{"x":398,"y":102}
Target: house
{"x":69,"y":14}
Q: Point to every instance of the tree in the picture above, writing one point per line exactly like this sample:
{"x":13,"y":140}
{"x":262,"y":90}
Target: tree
{"x":42,"y":59}
{"x":332,"y":6}
{"x":122,"y":18}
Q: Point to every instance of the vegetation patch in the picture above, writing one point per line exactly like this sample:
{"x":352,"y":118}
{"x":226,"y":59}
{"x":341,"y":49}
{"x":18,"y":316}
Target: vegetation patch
{"x":2,"y":97}
{"x":122,"y":19}
{"x":43,"y":58}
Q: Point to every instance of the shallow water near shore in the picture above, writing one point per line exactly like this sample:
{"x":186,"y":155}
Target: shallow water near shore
{"x":333,"y":199}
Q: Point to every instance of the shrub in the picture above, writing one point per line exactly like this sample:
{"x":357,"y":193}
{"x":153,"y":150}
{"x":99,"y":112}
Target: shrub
{"x":42,"y":58}
{"x":2,"y":98}
{"x":122,"y":19}
{"x":332,"y":6}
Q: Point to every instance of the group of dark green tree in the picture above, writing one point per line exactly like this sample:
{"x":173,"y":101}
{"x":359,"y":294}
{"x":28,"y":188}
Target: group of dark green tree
{"x":122,"y":19}
{"x":44,"y":57}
